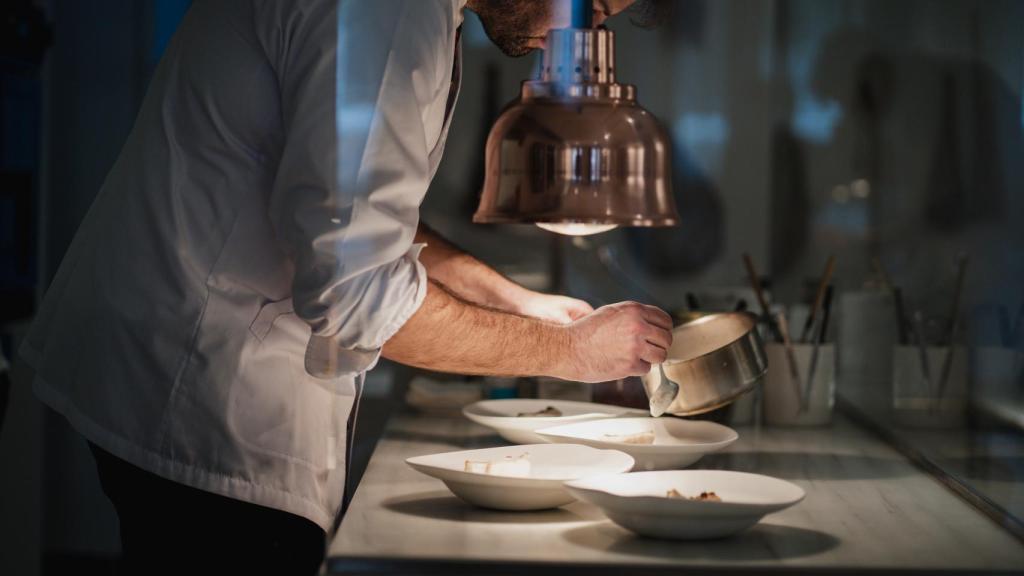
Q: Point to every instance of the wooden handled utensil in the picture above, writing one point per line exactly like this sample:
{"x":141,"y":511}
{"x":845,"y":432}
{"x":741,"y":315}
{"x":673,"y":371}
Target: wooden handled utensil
{"x":819,"y":296}
{"x":819,"y":339}
{"x":794,"y":373}
{"x":954,"y":323}
{"x":755,"y":283}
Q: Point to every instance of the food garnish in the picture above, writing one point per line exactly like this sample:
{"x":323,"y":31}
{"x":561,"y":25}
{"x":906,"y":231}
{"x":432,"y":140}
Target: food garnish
{"x":703,"y":497}
{"x":518,"y":466}
{"x":549,"y":411}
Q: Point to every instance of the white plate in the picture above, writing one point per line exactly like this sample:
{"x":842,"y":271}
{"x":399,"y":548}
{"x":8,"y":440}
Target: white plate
{"x":638,"y":501}
{"x":502,"y":416}
{"x":677,"y":442}
{"x":550,"y":466}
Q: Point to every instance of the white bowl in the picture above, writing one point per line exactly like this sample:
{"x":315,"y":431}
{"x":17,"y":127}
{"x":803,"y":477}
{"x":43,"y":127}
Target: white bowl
{"x":551,"y":465}
{"x":638,"y":501}
{"x":677,"y":442}
{"x":501,"y":415}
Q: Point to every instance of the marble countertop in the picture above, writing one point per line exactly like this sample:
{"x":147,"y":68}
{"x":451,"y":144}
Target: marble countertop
{"x":867,"y":509}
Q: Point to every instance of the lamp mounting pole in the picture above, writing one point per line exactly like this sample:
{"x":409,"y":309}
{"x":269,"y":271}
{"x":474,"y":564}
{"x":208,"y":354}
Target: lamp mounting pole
{"x":583,"y":18}
{"x":582,"y":13}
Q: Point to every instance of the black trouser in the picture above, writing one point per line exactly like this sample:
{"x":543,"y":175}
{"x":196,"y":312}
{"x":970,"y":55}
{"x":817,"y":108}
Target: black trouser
{"x":170,"y":528}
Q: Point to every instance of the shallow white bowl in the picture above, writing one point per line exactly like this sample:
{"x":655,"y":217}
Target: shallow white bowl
{"x":677,"y":442}
{"x":501,"y":415}
{"x":551,"y":465}
{"x":638,"y":501}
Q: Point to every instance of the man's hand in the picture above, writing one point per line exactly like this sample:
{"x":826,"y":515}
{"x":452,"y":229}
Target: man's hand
{"x":476,"y":321}
{"x":553,"y":308}
{"x":450,"y":334}
{"x":617,"y":341}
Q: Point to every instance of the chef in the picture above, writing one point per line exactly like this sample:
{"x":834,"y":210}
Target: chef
{"x":256,"y":248}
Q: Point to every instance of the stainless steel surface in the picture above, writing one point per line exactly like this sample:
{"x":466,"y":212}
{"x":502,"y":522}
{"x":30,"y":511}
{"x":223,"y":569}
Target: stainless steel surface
{"x":576,"y":148}
{"x":713,"y":360}
{"x":961,"y":474}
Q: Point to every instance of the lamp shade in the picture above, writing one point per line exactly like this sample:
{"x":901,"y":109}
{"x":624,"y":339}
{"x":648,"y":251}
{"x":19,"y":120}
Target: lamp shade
{"x":575,"y":151}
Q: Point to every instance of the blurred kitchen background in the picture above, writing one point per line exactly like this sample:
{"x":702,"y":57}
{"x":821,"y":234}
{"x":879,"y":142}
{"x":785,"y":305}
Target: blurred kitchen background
{"x":887,"y":134}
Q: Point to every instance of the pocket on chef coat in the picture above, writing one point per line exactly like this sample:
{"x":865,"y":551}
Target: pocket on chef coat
{"x":275,"y":407}
{"x":268,"y":313}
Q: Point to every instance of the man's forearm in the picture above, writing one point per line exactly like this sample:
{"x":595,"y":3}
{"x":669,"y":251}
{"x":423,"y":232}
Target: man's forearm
{"x":466,"y":276}
{"x":450,"y":334}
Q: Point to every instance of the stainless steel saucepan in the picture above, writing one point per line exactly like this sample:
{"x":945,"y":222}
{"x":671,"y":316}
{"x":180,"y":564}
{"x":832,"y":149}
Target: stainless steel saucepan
{"x":713,"y":360}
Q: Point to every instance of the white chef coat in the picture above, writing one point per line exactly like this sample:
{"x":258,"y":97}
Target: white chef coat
{"x":252,"y":248}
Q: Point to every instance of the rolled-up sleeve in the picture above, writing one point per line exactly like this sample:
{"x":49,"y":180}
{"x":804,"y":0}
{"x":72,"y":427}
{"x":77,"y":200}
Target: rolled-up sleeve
{"x":357,"y":82}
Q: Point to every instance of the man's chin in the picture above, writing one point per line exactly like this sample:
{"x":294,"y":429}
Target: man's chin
{"x":517,"y":52}
{"x":517,"y":47}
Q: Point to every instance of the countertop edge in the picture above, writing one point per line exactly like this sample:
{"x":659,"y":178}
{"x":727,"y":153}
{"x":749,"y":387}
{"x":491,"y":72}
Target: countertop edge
{"x":370,"y":565}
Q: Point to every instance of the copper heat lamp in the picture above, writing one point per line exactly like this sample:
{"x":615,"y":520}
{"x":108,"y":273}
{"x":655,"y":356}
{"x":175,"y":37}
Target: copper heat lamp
{"x":575,"y":153}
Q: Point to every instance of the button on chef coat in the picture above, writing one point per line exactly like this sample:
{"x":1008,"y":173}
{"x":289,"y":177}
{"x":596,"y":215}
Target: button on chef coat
{"x":252,"y":248}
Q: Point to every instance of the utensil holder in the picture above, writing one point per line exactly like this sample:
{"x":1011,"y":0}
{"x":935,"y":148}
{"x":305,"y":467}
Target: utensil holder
{"x":867,"y":333}
{"x":782,"y":402}
{"x":916,"y":386}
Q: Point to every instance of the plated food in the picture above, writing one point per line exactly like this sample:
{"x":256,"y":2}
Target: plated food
{"x":547,"y":411}
{"x":518,"y":466}
{"x":703,"y":496}
{"x":528,"y":477}
{"x":657,"y":503}
{"x":642,"y":437}
{"x":515,"y":419}
{"x":656,"y":443}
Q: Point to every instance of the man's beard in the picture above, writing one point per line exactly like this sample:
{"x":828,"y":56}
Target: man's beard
{"x":510,"y":23}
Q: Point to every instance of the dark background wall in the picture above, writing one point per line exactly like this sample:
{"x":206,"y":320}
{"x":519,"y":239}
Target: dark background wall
{"x":72,"y":115}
